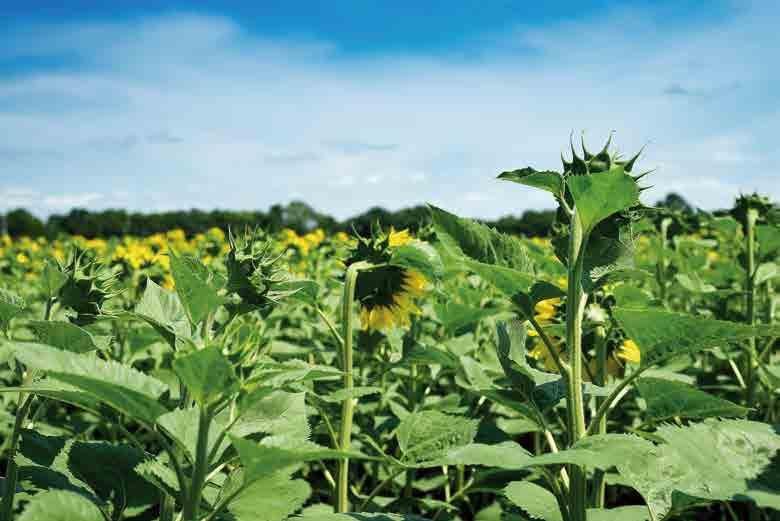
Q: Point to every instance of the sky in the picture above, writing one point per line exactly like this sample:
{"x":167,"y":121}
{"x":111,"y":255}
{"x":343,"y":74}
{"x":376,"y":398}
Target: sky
{"x":349,"y":104}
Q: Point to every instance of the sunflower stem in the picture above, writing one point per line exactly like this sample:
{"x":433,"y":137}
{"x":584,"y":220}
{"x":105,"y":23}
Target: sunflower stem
{"x":575,"y":310}
{"x":599,"y":482}
{"x":750,"y":303}
{"x":348,"y":405}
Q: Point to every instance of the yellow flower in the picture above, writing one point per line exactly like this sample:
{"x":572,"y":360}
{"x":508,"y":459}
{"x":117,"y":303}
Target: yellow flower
{"x":541,"y":353}
{"x":21,"y":258}
{"x":546,"y":309}
{"x":713,"y":256}
{"x":168,"y":282}
{"x":629,"y":352}
{"x":176,"y":235}
{"x":217,"y":234}
{"x":399,"y":238}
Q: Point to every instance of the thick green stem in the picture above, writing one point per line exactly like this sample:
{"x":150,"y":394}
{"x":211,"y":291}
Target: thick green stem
{"x":575,"y":310}
{"x":22,"y":410}
{"x":192,"y":506}
{"x":348,"y":405}
{"x":600,"y":378}
{"x":750,"y":304}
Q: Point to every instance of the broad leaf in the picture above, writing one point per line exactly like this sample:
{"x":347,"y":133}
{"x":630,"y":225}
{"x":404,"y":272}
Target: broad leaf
{"x":63,"y":335}
{"x":454,"y":316}
{"x":272,"y":498}
{"x":60,"y":505}
{"x":546,"y":180}
{"x":207,"y":374}
{"x":164,"y":312}
{"x":660,"y":334}
{"x":418,"y":256}
{"x":278,"y":413}
{"x":182,"y":426}
{"x":536,"y":501}
{"x":479,"y":242}
{"x":430,"y":434}
{"x":11,"y":305}
{"x":598,"y":196}
{"x":668,"y":399}
{"x":195,"y":286}
{"x":731,"y":460}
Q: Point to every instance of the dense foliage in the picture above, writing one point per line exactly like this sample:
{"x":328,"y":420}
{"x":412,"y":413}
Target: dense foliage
{"x":624,"y":368}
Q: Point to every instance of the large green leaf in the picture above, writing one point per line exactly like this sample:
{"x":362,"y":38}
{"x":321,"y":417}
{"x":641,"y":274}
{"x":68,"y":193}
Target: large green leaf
{"x":601,"y":451}
{"x":454,"y":315}
{"x":418,"y":256}
{"x":319,"y":516}
{"x":163,"y":311}
{"x":57,"y":361}
{"x":195,"y":286}
{"x":733,"y":460}
{"x":479,"y":242}
{"x":536,"y":501}
{"x":128,"y":401}
{"x":261,"y":460}
{"x":11,"y":305}
{"x":546,"y":180}
{"x":182,"y":426}
{"x":629,"y":513}
{"x":509,"y":281}
{"x":598,"y":196}
{"x":505,"y":455}
{"x":61,"y":505}
{"x":278,"y":413}
{"x":428,"y":435}
{"x":668,"y":399}
{"x":63,"y":335}
{"x":207,"y":374}
{"x":272,"y":498}
{"x":660,"y":333}
{"x":52,"y":278}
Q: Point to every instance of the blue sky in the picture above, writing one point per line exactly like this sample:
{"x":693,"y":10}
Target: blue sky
{"x":351,"y":104}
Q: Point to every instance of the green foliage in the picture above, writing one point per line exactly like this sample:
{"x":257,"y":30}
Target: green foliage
{"x":667,"y":399}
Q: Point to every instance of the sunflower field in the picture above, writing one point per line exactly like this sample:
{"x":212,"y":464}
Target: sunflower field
{"x":624,"y":369}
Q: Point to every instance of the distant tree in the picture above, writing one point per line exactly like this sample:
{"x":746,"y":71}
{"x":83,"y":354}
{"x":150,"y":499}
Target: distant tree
{"x":675,"y":202}
{"x":20,"y":222}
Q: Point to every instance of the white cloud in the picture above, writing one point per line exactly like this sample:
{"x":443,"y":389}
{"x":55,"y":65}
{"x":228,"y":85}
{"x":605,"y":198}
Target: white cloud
{"x":193,"y":111}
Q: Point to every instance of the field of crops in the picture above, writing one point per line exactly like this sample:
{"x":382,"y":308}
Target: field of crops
{"x":624,"y":369}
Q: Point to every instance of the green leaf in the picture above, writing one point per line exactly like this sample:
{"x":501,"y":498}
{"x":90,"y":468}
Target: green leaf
{"x":11,"y":305}
{"x":63,"y":335}
{"x":601,"y":451}
{"x":546,"y":180}
{"x":541,"y":290}
{"x":207,"y":374}
{"x":430,"y":434}
{"x":667,"y":399}
{"x":598,"y":196}
{"x":629,"y":513}
{"x":479,"y":242}
{"x":507,"y":280}
{"x":128,"y":401}
{"x":276,"y":413}
{"x":536,"y":501}
{"x":454,"y":316}
{"x":660,"y":334}
{"x":261,"y":460}
{"x":731,"y":460}
{"x":182,"y":426}
{"x":353,"y":393}
{"x":319,"y":516}
{"x":163,"y":311}
{"x":505,"y":455}
{"x":50,"y":359}
{"x":303,"y":290}
{"x":195,"y":286}
{"x":272,"y":498}
{"x":419,"y":256}
{"x":766,"y":271}
{"x":52,"y":279}
{"x":60,"y":505}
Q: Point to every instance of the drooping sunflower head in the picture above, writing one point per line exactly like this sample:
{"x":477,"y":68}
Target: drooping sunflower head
{"x":253,"y":270}
{"x":386,"y":293}
{"x":88,"y":285}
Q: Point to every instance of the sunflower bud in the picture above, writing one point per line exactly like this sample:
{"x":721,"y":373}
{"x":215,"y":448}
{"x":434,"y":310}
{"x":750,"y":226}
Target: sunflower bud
{"x":253,"y":271}
{"x":88,"y":285}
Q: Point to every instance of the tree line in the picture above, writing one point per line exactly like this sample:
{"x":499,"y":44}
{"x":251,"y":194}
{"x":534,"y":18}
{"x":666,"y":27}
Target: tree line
{"x":296,"y":215}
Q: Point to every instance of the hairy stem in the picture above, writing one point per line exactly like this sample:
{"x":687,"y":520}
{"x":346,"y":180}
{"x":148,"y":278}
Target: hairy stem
{"x":348,"y":405}
{"x":750,"y":304}
{"x":192,"y":506}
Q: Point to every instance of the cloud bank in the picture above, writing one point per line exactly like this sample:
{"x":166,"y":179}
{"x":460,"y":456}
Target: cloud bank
{"x":187,"y":110}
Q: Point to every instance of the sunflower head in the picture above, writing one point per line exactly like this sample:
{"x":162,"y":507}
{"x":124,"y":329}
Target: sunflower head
{"x":386,"y":293}
{"x":88,"y":285}
{"x":253,"y":270}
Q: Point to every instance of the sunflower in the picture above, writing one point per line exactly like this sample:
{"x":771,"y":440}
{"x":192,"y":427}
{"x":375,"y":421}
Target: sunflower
{"x":629,"y":352}
{"x":544,"y":313}
{"x":385,"y":292}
